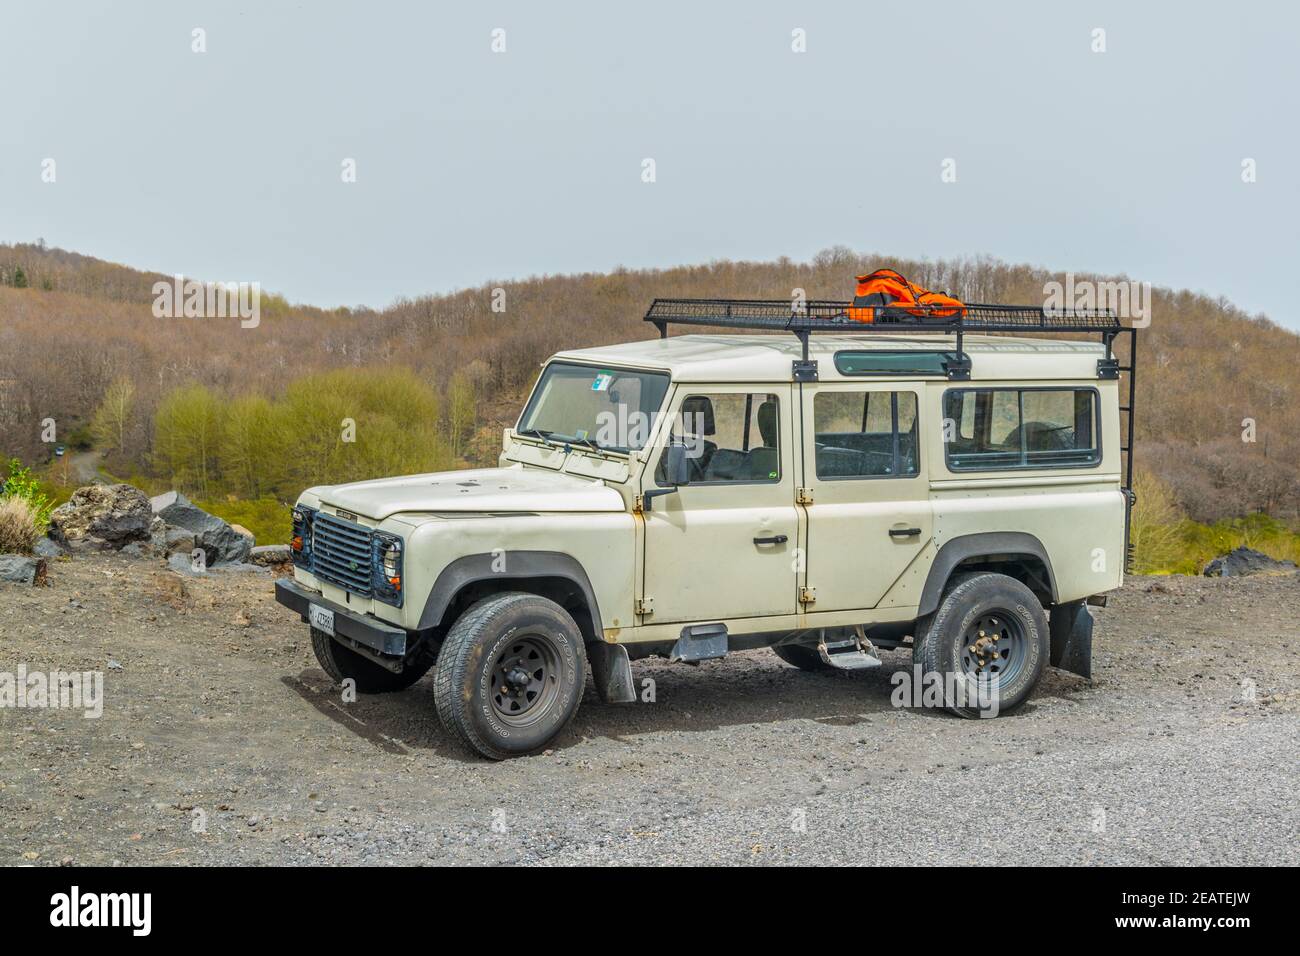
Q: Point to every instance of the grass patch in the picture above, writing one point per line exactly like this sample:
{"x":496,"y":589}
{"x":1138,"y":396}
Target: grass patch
{"x":270,"y":520}
{"x":1200,"y":543}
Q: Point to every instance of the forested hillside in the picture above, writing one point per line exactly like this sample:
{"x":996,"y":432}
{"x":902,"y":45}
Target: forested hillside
{"x":222,"y":410}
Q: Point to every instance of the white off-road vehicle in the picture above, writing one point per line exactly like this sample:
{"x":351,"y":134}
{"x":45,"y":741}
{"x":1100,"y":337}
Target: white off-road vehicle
{"x":823,"y":493}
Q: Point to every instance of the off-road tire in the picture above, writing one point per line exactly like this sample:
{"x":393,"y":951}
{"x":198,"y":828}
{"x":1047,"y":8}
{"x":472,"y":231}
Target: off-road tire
{"x":803,"y":657}
{"x":475,"y":694}
{"x":342,"y":663}
{"x":943,"y":639}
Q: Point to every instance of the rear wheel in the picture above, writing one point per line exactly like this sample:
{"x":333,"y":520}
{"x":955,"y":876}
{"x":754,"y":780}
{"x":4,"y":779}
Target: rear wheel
{"x":510,"y":674}
{"x":802,"y":657}
{"x":343,"y":663}
{"x":989,"y":640}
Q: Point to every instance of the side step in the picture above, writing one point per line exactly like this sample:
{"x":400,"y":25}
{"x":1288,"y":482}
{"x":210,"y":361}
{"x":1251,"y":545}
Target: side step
{"x":851,"y":653}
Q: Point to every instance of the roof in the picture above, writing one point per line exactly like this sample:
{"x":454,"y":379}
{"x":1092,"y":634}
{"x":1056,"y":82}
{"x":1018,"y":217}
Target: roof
{"x":767,"y":358}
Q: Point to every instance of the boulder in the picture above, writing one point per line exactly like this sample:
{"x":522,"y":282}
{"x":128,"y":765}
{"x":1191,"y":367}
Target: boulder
{"x":1243,"y":561}
{"x":268,"y":555}
{"x":102,"y":517}
{"x":220,"y":541}
{"x":22,"y":569}
{"x":47,"y":548}
{"x":182,"y":564}
{"x":178,"y":541}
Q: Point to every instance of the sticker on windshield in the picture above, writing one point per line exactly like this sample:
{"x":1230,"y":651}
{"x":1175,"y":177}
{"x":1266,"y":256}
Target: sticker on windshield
{"x":602,"y":381}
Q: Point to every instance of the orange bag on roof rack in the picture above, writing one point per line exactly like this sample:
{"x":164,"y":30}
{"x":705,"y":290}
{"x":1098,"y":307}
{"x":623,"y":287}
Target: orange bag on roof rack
{"x":887,"y":289}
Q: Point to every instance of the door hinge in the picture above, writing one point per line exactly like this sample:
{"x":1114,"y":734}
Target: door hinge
{"x":804,"y":496}
{"x":807,"y":595}
{"x":645,"y":606}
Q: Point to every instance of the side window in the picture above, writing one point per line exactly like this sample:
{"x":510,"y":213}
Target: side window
{"x":728,"y":437}
{"x":1005,"y":428}
{"x":865,"y":434}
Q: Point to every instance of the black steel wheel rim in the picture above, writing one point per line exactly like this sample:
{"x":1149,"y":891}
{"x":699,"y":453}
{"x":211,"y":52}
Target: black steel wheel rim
{"x":994,"y":648}
{"x":525,"y":679}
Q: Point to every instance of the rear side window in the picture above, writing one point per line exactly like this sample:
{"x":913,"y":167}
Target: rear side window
{"x":994,"y":429}
{"x":865,"y":434}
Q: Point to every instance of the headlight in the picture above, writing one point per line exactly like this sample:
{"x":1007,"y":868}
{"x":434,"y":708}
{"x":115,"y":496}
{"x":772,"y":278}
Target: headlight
{"x":393,"y":563}
{"x":300,"y":536}
{"x":388,"y":568}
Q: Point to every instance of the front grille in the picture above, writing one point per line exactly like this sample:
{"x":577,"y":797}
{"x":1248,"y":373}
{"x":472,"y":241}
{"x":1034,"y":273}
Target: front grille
{"x":341,"y":553}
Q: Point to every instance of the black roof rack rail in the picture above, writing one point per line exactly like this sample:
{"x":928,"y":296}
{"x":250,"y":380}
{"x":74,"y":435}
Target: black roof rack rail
{"x":822,"y":315}
{"x":803,"y":319}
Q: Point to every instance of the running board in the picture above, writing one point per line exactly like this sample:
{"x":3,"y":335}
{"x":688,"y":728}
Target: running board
{"x":853,"y":653}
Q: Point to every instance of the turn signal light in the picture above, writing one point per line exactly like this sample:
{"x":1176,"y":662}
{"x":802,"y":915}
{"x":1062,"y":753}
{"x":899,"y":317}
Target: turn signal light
{"x":296,"y":542}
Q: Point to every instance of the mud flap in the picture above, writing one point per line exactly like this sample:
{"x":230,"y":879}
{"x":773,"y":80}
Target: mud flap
{"x":1071,"y":631}
{"x":611,"y":672}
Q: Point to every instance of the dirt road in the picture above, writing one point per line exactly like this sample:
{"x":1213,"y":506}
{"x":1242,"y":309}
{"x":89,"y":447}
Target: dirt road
{"x":221,"y":741}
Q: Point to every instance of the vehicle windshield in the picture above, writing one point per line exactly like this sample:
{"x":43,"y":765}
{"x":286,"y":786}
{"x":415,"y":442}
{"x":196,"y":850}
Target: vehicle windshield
{"x":606,"y":408}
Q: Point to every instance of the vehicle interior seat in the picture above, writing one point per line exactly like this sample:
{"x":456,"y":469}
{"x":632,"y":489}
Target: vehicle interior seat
{"x":697,"y":413}
{"x":764,"y":461}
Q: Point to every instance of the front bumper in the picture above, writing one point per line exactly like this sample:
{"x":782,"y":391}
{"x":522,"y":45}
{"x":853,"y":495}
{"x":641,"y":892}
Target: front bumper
{"x":363,"y":629}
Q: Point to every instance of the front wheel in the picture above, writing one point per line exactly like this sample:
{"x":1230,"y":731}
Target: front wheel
{"x":988,"y":639}
{"x":510,"y":675}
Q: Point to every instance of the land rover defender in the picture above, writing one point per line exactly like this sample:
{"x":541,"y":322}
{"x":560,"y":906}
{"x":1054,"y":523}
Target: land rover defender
{"x":960,"y":483}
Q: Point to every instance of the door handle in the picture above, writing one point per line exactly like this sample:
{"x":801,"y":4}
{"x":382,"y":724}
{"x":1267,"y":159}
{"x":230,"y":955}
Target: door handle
{"x":904,"y":532}
{"x":772,"y":539}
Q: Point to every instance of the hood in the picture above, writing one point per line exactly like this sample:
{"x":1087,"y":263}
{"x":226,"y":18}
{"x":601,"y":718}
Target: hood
{"x":481,"y":489}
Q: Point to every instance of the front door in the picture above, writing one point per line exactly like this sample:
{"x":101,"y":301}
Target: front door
{"x":870,"y":514}
{"x":723,"y":545}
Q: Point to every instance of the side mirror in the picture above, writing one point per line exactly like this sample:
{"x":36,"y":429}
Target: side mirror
{"x":677,"y":472}
{"x":677,"y":469}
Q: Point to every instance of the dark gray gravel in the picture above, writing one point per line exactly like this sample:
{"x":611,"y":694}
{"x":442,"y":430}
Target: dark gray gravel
{"x":222,"y":742}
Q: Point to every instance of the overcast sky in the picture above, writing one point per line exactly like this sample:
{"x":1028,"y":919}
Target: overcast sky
{"x":473,"y":165}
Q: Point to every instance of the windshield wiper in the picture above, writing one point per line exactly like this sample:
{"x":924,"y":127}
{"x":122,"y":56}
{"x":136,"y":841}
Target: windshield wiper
{"x":585,"y":441}
{"x":557,"y":440}
{"x":545,"y":436}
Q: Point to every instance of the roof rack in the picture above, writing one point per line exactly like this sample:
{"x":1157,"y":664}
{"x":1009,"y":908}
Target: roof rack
{"x":821,"y":315}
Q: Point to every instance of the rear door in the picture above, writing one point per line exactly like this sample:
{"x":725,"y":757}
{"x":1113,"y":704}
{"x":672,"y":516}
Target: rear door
{"x":870,"y":514}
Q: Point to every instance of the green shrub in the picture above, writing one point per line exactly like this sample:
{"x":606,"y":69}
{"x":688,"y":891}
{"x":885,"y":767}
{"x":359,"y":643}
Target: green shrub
{"x":270,"y":520}
{"x":1154,"y":526}
{"x":1202,"y":543}
{"x":21,"y":483}
{"x":18,"y":528}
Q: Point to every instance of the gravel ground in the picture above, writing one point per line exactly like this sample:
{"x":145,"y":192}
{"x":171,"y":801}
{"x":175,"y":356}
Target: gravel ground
{"x":222,"y":741}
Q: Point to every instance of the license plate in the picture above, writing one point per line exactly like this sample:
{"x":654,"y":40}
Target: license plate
{"x":321,"y":618}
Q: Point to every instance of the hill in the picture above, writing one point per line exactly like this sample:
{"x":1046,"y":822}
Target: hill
{"x":75,"y":325}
